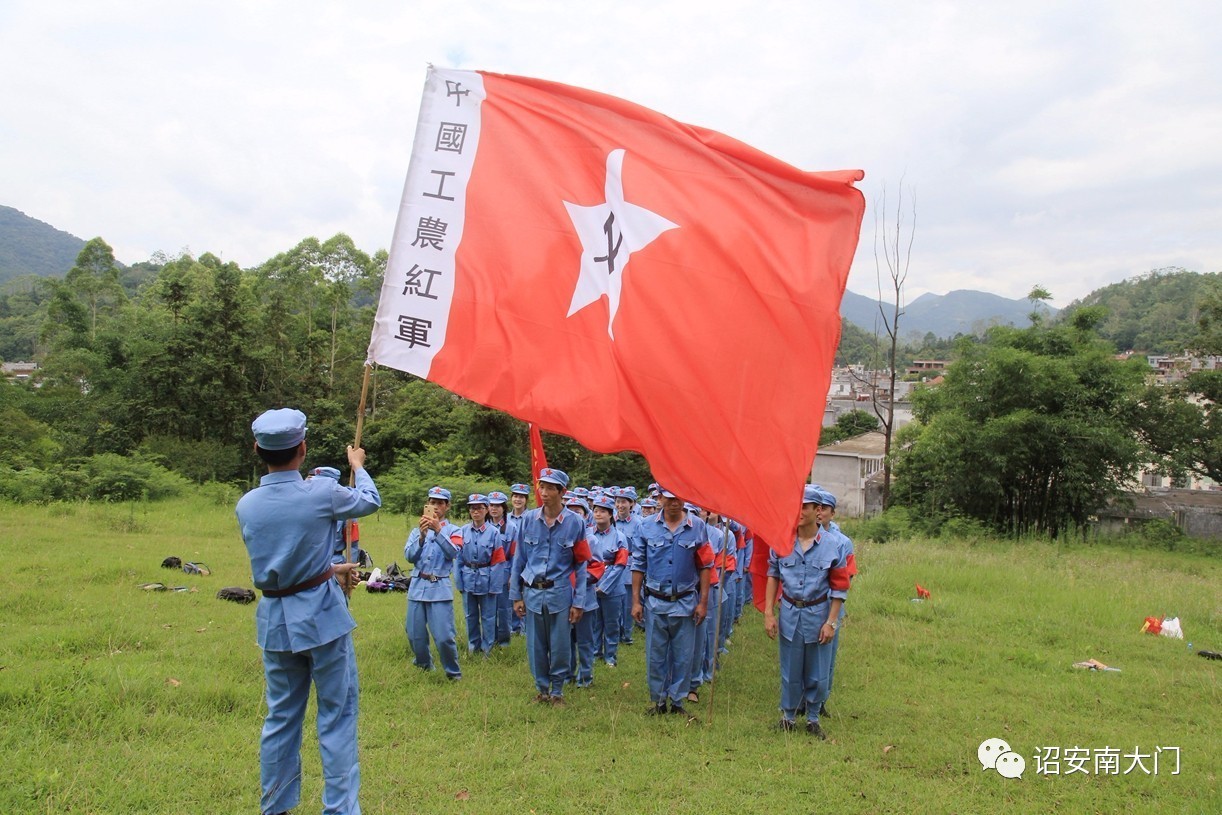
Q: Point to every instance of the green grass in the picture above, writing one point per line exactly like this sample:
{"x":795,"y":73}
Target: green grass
{"x":115,"y":700}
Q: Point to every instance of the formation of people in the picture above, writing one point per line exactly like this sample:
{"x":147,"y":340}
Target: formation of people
{"x":579,"y":576}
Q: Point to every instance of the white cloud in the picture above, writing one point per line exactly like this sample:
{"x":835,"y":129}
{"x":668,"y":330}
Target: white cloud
{"x":1067,"y":144}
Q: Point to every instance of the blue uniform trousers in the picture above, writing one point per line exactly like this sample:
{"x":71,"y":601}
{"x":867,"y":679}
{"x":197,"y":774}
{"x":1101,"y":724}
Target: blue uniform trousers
{"x":581,"y":663}
{"x":332,"y":667}
{"x":607,"y":628}
{"x":625,"y":631}
{"x":702,"y":637}
{"x":506,"y":621}
{"x":803,"y":676}
{"x":831,"y":665}
{"x":481,"y":621}
{"x":727,"y":619}
{"x":547,"y":643}
{"x":435,"y":617}
{"x":669,"y":641}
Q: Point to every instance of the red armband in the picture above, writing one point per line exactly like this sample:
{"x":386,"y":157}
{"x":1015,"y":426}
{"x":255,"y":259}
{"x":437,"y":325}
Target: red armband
{"x":704,"y":555}
{"x":732,"y":564}
{"x":596,"y":569}
{"x":838,"y":578}
{"x":498,"y":556}
{"x":851,"y":564}
{"x":456,"y":539}
{"x":621,"y":557}
{"x":581,"y":551}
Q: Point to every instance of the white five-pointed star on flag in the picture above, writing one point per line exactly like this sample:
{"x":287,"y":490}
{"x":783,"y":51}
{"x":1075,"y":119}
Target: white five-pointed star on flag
{"x":609,"y":233}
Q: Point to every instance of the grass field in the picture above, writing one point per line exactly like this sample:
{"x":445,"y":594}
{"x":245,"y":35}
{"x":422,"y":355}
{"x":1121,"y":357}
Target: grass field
{"x":116,"y":700}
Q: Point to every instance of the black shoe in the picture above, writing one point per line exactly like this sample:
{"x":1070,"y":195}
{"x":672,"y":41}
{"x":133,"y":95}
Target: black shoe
{"x":785,"y":725}
{"x":656,"y":710}
{"x":823,"y":714}
{"x":678,"y":709}
{"x":815,"y":730}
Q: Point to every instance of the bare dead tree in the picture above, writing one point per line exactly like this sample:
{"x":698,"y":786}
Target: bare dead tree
{"x":896,"y":257}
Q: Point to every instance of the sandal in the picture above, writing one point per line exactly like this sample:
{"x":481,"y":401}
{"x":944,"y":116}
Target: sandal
{"x":196,"y":568}
{"x":692,"y":696}
{"x":153,"y":586}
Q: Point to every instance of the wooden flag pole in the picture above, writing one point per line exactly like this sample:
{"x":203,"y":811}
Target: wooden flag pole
{"x":360,"y":425}
{"x":721,"y":580}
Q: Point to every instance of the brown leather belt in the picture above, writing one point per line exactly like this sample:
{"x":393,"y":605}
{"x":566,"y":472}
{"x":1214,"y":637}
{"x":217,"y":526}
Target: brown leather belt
{"x":805,"y":603}
{"x":300,"y":587}
{"x":670,"y":598}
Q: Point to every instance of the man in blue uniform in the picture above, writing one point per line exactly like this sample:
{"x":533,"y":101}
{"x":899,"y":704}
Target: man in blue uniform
{"x":518,"y":495}
{"x":432,"y":548}
{"x":478,"y":559}
{"x":827,"y":514}
{"x":303,"y":624}
{"x":547,"y":584}
{"x":609,"y":560}
{"x":671,"y":566}
{"x":630,"y":525}
{"x":498,"y":516}
{"x":811,"y":583}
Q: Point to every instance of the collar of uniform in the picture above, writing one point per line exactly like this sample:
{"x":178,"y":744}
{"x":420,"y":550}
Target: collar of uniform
{"x":282,"y":477}
{"x":657,"y":518}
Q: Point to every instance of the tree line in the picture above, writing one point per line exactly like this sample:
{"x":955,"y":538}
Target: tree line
{"x":150,"y":375}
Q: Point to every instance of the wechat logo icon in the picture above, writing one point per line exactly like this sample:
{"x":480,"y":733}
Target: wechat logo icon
{"x":995,"y":754}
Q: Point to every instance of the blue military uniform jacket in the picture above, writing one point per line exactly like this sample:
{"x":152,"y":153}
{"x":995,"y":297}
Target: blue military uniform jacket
{"x":432,"y":559}
{"x":805,"y":577}
{"x":611,"y":549}
{"x":671,"y":563}
{"x":546,"y":554}
{"x":481,"y":553}
{"x":288,"y":526}
{"x":631,"y":527}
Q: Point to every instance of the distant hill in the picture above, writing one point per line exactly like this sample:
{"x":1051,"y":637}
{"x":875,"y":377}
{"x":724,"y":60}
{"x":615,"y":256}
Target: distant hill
{"x":29,"y":246}
{"x":1155,"y":312}
{"x":945,"y":315}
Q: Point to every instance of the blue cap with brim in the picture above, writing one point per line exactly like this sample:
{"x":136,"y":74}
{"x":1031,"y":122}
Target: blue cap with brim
{"x":605,"y":501}
{"x":439,"y":492}
{"x":578,"y":502}
{"x":325,"y":472}
{"x":628,"y":492}
{"x":553,"y":476}
{"x":477,"y":498}
{"x":280,"y":429}
{"x":665,"y":493}
{"x":498,"y":498}
{"x":520,"y":489}
{"x":649,"y":502}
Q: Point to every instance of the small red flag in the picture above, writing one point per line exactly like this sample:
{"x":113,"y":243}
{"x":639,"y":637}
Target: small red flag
{"x":658,"y":287}
{"x":538,"y":459}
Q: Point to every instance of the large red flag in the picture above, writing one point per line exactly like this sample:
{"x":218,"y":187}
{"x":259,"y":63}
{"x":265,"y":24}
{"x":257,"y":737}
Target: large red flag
{"x":659,"y":287}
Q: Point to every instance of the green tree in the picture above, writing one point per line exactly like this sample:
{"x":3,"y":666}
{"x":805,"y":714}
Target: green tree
{"x":1182,"y":424}
{"x":1031,"y":432}
{"x":848,"y":425}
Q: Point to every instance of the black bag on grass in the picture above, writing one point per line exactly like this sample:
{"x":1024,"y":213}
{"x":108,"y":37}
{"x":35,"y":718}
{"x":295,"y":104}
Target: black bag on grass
{"x":237,"y":594}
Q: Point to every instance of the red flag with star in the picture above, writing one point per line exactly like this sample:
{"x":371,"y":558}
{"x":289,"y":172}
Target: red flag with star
{"x":633,"y":282}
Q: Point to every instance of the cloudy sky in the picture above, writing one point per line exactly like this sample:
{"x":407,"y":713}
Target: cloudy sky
{"x":1069,"y":144}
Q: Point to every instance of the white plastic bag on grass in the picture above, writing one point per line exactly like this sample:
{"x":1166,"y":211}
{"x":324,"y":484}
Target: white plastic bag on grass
{"x":1171,"y":628}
